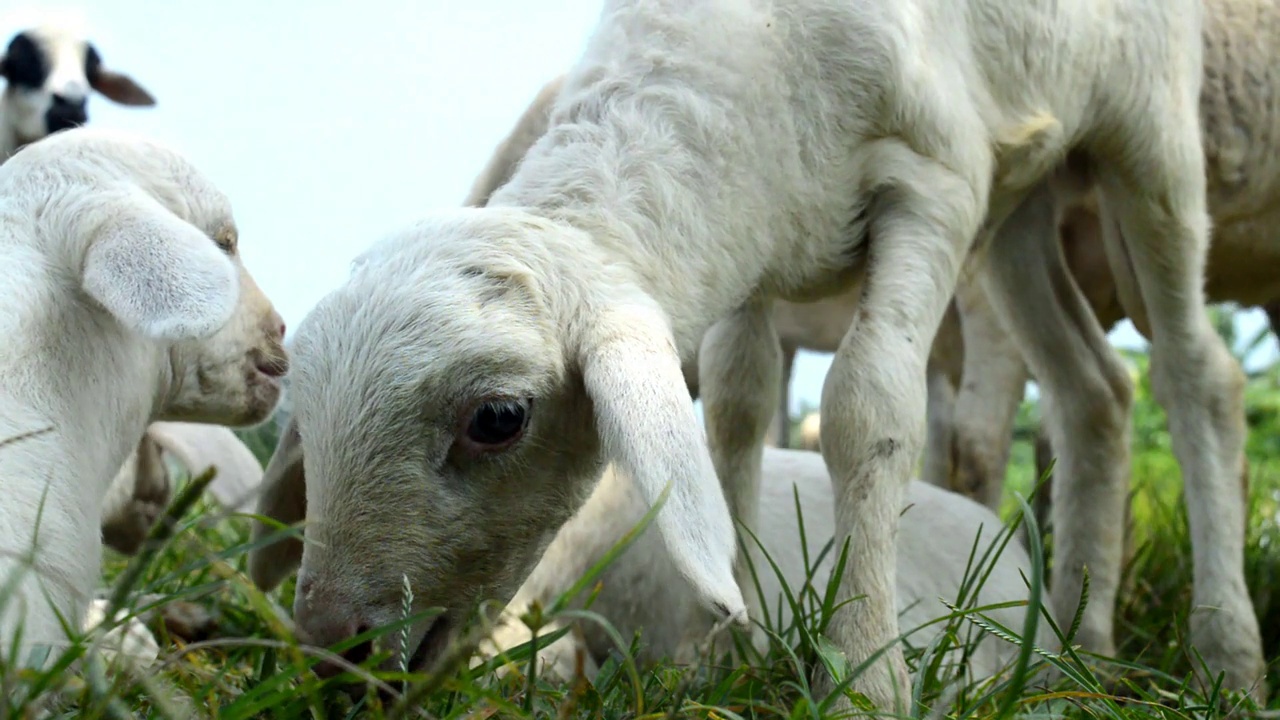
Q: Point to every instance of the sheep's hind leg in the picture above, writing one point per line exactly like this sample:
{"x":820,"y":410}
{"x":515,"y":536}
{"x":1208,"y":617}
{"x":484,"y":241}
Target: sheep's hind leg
{"x":740,"y":372}
{"x":1158,"y":197}
{"x":874,"y":403}
{"x":1086,"y":396}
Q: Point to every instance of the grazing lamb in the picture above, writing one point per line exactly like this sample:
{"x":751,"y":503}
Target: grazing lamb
{"x":642,"y":589}
{"x":972,"y":459}
{"x":125,"y":302}
{"x":701,"y":161}
{"x":142,"y":488}
{"x":49,"y":72}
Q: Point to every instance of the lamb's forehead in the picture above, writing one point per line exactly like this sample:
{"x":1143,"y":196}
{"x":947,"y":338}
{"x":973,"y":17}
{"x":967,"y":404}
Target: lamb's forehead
{"x":445,"y":340}
{"x":51,"y":36}
{"x":98,"y":153}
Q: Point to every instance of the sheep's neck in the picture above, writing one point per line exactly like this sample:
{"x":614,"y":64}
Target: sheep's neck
{"x":79,"y":420}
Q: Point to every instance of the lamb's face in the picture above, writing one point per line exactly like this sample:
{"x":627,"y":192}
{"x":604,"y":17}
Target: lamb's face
{"x":232,"y":377}
{"x":446,"y":438}
{"x":159,"y":249}
{"x":49,"y":74}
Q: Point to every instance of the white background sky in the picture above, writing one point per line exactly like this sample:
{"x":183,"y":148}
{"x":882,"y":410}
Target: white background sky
{"x":330,"y":123}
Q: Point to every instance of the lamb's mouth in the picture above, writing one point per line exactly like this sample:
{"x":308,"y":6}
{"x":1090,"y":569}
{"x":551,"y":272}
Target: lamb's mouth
{"x":433,"y":644}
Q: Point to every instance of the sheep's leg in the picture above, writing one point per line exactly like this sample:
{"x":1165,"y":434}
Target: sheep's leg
{"x":946,"y":364}
{"x":740,"y":368}
{"x":874,"y":402}
{"x":782,"y":423}
{"x":1159,"y":201}
{"x":1042,"y":506}
{"x":1086,"y":395}
{"x":994,"y":382}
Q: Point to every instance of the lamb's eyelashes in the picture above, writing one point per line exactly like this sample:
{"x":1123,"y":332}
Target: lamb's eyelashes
{"x":495,"y":424}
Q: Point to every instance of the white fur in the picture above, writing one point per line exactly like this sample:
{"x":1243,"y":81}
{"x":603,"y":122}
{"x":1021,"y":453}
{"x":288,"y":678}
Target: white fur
{"x":818,"y":326}
{"x":62,"y":43}
{"x":971,"y":456}
{"x":125,"y":302}
{"x":642,"y":590}
{"x":703,"y":159}
{"x":1241,"y":49}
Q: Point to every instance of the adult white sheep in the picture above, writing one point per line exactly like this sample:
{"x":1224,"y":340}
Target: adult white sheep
{"x":141,"y":489}
{"x":49,"y":72}
{"x":125,"y":301}
{"x":468,"y":382}
{"x":643,"y":591}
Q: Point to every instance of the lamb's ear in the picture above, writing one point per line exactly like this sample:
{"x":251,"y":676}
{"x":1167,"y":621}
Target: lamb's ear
{"x":284,"y":499}
{"x":121,"y":88}
{"x":157,"y":274}
{"x":649,"y":429}
{"x":199,"y":446}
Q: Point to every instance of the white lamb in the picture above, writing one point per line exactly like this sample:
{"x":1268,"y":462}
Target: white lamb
{"x":125,"y":302}
{"x":970,"y":457}
{"x":49,"y":72}
{"x":464,"y":389}
{"x":642,"y":590}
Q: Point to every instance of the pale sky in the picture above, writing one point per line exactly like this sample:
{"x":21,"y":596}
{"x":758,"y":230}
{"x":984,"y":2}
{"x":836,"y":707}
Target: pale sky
{"x":329,"y":124}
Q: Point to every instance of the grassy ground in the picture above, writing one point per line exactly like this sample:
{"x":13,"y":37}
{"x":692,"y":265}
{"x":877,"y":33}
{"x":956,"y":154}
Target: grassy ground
{"x":251,"y":668}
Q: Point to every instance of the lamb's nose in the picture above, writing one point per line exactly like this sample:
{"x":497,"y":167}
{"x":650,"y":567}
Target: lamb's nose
{"x":325,"y":626}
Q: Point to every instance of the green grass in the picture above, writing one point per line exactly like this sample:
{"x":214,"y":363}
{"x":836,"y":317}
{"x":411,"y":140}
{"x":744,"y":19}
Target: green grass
{"x":254,"y":669}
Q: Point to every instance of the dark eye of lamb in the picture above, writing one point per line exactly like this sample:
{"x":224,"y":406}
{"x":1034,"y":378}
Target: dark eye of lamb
{"x":497,"y":422}
{"x":24,"y":63}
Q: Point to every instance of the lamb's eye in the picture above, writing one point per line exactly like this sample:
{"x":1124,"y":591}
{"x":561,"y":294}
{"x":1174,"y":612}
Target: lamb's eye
{"x":498,"y":423}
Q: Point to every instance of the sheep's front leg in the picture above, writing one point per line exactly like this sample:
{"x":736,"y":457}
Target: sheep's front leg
{"x":873,"y":407}
{"x":740,"y":369}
